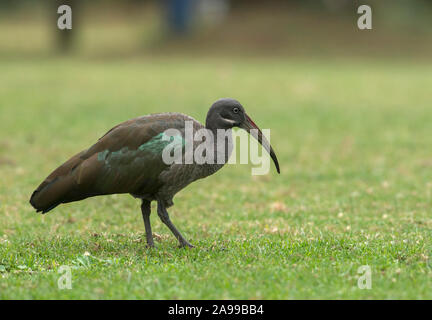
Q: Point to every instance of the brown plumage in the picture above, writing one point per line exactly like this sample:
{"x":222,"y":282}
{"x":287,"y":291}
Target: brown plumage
{"x":86,"y":175}
{"x":128,"y":159}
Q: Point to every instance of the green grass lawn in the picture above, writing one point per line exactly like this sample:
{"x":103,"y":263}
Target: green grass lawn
{"x":353,"y":140}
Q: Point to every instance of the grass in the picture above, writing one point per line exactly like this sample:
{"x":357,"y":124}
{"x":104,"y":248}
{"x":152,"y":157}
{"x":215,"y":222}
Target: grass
{"x":352,"y":138}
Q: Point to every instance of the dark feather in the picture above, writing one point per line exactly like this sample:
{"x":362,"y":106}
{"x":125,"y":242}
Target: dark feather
{"x":124,"y":160}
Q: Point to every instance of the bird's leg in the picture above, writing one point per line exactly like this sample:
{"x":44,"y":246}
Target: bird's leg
{"x":146,"y":210}
{"x":163,"y":215}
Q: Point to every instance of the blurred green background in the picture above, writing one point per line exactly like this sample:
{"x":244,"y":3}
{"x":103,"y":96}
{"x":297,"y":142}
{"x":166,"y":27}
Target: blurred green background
{"x":350,"y":114}
{"x":323,"y":28}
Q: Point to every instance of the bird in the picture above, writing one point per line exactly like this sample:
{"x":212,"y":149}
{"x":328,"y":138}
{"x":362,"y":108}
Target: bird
{"x":128,"y":159}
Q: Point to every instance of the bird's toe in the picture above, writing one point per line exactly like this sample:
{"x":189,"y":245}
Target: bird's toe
{"x":186,"y":245}
{"x":150,"y":245}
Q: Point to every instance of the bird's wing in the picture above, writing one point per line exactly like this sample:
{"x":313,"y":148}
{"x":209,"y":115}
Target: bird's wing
{"x":127,"y":159}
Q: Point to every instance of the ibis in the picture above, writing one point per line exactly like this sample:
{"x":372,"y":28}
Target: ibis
{"x":128,"y":159}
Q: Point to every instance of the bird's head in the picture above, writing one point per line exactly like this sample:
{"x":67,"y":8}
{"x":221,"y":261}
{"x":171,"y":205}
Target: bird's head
{"x":227,"y":113}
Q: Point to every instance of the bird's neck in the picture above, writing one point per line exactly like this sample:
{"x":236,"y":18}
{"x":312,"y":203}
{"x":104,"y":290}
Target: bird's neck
{"x":222,"y":148}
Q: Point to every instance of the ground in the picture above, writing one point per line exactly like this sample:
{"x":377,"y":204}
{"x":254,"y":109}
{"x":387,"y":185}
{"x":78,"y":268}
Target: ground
{"x":353,"y":142}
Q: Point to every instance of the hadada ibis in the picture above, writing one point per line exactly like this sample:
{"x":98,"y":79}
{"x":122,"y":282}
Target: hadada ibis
{"x":128,"y":159}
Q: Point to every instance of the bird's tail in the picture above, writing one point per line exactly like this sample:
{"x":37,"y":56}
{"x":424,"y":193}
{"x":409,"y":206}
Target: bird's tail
{"x":55,"y":189}
{"x":50,"y":194}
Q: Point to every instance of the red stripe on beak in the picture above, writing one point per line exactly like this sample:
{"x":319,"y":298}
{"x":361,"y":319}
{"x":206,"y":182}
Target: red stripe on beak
{"x":251,"y":121}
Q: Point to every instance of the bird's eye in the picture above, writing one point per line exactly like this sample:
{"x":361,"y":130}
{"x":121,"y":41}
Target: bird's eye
{"x":236,"y":110}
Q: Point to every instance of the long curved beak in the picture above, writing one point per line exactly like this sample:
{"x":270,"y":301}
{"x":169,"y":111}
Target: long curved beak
{"x":248,"y":125}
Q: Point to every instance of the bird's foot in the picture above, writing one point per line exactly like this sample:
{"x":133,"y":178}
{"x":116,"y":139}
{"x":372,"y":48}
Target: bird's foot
{"x":186,"y":244}
{"x":150,"y":244}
